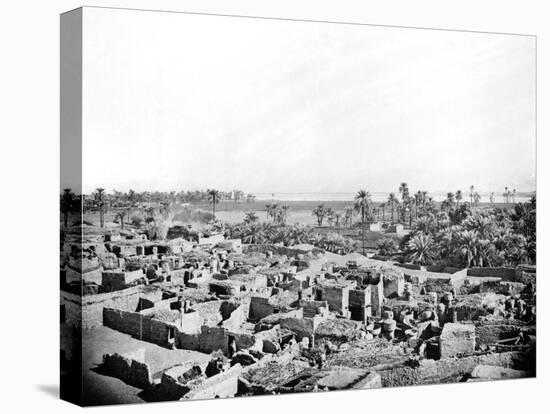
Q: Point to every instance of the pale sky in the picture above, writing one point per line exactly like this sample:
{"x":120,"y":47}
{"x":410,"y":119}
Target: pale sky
{"x":175,"y":102}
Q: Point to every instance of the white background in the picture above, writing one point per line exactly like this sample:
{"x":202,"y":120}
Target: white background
{"x":29,"y":130}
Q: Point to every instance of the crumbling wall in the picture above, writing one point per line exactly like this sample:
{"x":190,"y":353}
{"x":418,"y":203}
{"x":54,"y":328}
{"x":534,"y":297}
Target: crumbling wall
{"x":73,"y":309}
{"x":126,"y":299}
{"x":140,"y":326}
{"x":236,"y":319}
{"x":222,"y":385}
{"x":131,"y":369}
{"x":259,"y":308}
{"x":489,"y":332}
{"x":436,"y":372}
{"x":457,"y":339}
{"x":337,"y":297}
{"x":302,"y":327}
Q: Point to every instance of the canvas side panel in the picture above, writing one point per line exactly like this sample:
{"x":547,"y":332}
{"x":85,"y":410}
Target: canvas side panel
{"x":71,"y":207}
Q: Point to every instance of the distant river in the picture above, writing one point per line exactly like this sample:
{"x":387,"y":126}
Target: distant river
{"x":376,"y":196}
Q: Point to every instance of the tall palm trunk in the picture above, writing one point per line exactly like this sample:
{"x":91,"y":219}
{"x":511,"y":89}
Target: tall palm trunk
{"x":214,"y":207}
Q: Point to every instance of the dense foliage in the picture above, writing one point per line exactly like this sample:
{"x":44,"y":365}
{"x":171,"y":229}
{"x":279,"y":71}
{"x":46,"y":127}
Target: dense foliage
{"x":481,"y":237}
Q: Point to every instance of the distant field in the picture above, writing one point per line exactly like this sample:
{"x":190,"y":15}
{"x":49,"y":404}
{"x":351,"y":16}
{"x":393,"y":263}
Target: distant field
{"x":300,"y":211}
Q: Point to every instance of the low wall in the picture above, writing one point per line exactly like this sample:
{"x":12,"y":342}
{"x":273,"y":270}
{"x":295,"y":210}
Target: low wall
{"x":222,"y":385}
{"x":435,"y":372}
{"x":139,"y":326}
{"x":127,"y":299}
{"x":506,"y":273}
{"x":132,"y":371}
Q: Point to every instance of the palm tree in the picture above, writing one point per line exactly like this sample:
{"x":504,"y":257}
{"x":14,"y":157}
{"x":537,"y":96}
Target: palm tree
{"x":67,"y":203}
{"x":458,"y":197}
{"x":385,"y":247}
{"x":320,"y":212}
{"x":392,"y":200}
{"x":271,"y":210}
{"x":472,"y":194}
{"x":330,"y":216}
{"x":250,"y":217}
{"x":468,"y":247}
{"x":284,"y":210}
{"x":120,"y":216}
{"x":165,"y":209}
{"x":348,"y":215}
{"x":131,"y":202}
{"x":420,"y":249}
{"x":514,"y":196}
{"x":383,"y":207}
{"x":99,"y":198}
{"x":477,"y":198}
{"x":362,"y":204}
{"x":213,"y":198}
{"x":404,"y":191}
{"x":450,"y":200}
{"x":506,"y":194}
{"x":337,"y":219}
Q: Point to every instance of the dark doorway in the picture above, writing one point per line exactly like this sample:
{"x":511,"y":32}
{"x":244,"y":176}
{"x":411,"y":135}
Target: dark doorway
{"x":356,"y":313}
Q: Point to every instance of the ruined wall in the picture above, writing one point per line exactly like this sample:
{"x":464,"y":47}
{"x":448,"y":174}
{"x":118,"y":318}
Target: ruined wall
{"x":377,"y":297}
{"x":312,"y":308}
{"x":132,"y":371}
{"x":73,"y":309}
{"x":436,"y":372}
{"x":360,"y":299}
{"x":139,"y":326}
{"x":506,"y":273}
{"x":114,"y":280}
{"x":236,"y":319}
{"x":302,"y":327}
{"x":217,"y":338}
{"x":222,"y":385}
{"x":127,"y":299}
{"x":259,"y":308}
{"x":337,"y":298}
{"x":489,"y":332}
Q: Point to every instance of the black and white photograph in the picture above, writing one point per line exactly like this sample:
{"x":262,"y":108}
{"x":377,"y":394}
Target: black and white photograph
{"x":236,"y":206}
{"x":296,"y":206}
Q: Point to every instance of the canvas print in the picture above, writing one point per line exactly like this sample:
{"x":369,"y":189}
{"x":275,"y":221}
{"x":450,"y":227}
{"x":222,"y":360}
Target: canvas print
{"x":256,"y":206}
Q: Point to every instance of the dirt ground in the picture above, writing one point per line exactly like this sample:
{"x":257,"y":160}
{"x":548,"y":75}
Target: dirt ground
{"x":100,"y":389}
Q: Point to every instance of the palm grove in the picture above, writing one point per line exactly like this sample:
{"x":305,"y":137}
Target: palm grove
{"x":458,"y":231}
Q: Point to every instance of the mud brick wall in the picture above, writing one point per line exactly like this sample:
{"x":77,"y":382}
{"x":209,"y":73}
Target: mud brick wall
{"x":129,"y":370}
{"x":359,"y":297}
{"x":222,"y":385}
{"x":131,"y":323}
{"x":377,"y":297}
{"x":456,"y":339}
{"x":312,"y":307}
{"x":434,"y":372}
{"x":127,"y":299}
{"x":213,"y":339}
{"x":259,"y":308}
{"x":188,"y":341}
{"x":236,"y":319}
{"x":191,"y":323}
{"x":302,"y":327}
{"x":505,"y":273}
{"x":137,"y":325}
{"x":73,"y":309}
{"x":337,"y":298}
{"x":490,"y":332}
